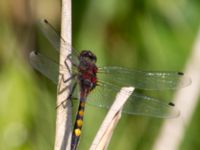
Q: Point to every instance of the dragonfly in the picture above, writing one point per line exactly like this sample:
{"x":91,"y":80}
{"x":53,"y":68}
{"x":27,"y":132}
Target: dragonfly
{"x":98,"y":86}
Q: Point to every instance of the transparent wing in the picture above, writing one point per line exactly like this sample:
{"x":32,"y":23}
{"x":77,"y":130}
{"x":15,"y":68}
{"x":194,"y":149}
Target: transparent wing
{"x":143,"y":80}
{"x":48,"y":68}
{"x":53,"y":37}
{"x":50,"y":33}
{"x":148,"y":106}
{"x":137,"y":104}
{"x":44,"y":65}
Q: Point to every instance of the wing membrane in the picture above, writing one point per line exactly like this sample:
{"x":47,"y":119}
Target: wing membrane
{"x":45,"y":66}
{"x":143,"y":80}
{"x":53,"y":37}
{"x":50,"y":34}
{"x":136,"y":104}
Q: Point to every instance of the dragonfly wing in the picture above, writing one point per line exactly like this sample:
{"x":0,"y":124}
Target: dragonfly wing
{"x":137,"y":104}
{"x":147,"y":106}
{"x":143,"y":80}
{"x":50,"y":33}
{"x":54,"y":38}
{"x":102,"y":96}
{"x":45,"y":66}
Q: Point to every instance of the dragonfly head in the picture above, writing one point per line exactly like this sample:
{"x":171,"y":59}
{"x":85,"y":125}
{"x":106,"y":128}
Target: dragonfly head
{"x":87,"y":55}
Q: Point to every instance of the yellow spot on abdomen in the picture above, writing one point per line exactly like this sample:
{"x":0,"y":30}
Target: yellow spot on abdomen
{"x":77,"y":132}
{"x":79,"y":122}
{"x":82,"y":104}
{"x":81,"y":113}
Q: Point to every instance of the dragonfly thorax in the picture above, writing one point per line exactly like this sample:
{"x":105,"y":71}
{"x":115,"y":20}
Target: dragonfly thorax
{"x":87,"y":70}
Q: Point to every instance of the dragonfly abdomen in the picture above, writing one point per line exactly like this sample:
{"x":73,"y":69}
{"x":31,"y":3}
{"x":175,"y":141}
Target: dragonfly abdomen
{"x":78,"y":124}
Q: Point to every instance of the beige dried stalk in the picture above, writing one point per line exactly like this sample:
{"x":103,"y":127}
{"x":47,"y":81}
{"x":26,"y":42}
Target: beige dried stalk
{"x":105,"y":132}
{"x":63,"y":117}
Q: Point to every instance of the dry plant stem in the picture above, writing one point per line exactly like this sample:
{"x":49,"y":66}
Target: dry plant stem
{"x":172,"y":132}
{"x":63,"y":117}
{"x":104,"y":134}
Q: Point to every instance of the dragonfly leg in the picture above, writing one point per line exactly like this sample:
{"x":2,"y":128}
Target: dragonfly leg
{"x":65,"y":81}
{"x":71,"y":93}
{"x":68,"y":58}
{"x":69,"y":97}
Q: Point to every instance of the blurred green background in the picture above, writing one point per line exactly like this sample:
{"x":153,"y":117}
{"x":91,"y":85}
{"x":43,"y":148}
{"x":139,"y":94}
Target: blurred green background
{"x":147,"y":35}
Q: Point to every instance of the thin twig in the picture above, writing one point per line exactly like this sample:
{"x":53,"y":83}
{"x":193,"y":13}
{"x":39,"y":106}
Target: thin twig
{"x":63,"y":117}
{"x":172,"y":132}
{"x":104,"y":134}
